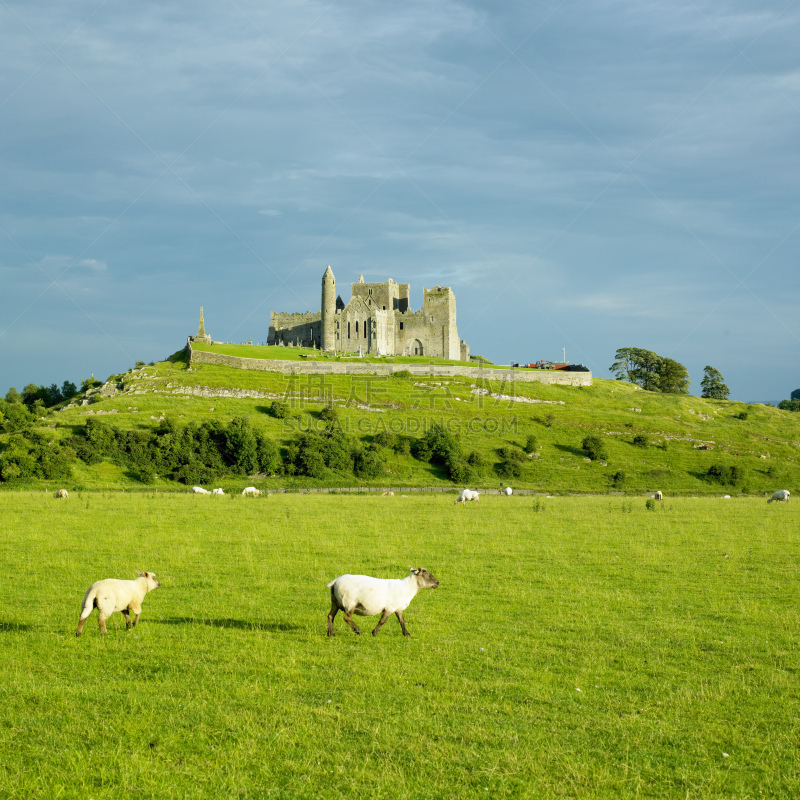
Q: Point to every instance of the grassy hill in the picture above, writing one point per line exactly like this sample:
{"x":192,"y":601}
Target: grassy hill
{"x":678,"y":438}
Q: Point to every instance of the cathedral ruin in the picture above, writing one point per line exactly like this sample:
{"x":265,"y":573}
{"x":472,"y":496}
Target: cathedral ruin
{"x":376,"y":321}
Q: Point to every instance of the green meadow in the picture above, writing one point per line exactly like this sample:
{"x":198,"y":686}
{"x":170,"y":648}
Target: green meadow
{"x":577,"y":647}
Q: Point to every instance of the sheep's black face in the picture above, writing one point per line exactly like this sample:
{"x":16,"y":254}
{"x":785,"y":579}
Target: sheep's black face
{"x":426,"y":580}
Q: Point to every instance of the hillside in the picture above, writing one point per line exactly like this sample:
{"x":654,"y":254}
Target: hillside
{"x":490,"y":426}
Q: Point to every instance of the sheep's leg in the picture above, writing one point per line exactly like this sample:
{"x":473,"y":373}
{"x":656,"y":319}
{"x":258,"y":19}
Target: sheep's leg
{"x":386,"y":614}
{"x":102,"y":622}
{"x":127,"y":619}
{"x":399,"y":615}
{"x":81,"y":623}
{"x":331,"y":615}
{"x":348,"y":618}
{"x":136,"y":619}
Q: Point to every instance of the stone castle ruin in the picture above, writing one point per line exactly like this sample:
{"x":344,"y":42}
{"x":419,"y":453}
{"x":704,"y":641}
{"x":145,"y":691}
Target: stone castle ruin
{"x":376,"y":321}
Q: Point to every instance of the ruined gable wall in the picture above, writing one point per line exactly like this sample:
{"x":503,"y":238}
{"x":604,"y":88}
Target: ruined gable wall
{"x":302,"y":329}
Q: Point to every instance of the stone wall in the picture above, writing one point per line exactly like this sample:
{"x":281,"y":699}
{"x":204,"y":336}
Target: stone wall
{"x":342,"y":367}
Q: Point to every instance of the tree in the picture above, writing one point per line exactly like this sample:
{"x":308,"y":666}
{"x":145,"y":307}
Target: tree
{"x":650,"y":371}
{"x":794,"y":396}
{"x":713,"y":385}
{"x":13,"y":396}
{"x":595,"y":448}
{"x":673,"y":378}
{"x":639,"y":366}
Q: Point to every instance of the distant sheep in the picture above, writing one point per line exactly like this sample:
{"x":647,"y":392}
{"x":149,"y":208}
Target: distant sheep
{"x":468,"y":494}
{"x":658,"y":496}
{"x":251,"y":490}
{"x":217,"y":491}
{"x":200,"y":490}
{"x":388,"y":494}
{"x":365,"y":596}
{"x":62,"y":493}
{"x":508,"y":491}
{"x":782,"y":495}
{"x":112,"y":595}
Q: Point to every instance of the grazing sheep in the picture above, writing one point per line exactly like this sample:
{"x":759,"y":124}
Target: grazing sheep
{"x":468,"y":494}
{"x":658,"y":496}
{"x":251,"y":490}
{"x":217,"y":491}
{"x":365,"y":596}
{"x":508,"y":491}
{"x":62,"y":493}
{"x":388,"y":494}
{"x":780,"y":495}
{"x":112,"y":595}
{"x":200,"y":490}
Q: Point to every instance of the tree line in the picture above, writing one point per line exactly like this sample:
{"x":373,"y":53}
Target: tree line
{"x":656,"y":373}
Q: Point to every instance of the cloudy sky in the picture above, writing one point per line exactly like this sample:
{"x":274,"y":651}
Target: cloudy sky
{"x":584,"y":175}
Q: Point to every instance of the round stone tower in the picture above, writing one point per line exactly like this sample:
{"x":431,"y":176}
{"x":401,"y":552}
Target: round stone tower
{"x":328,"y":310}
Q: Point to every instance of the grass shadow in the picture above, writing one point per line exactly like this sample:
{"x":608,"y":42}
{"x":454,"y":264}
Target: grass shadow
{"x":238,"y":624}
{"x":14,"y":627}
{"x":573,"y":451}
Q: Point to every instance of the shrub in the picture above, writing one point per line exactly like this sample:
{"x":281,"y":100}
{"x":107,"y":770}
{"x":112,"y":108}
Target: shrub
{"x":595,"y":448}
{"x":508,"y":469}
{"x":618,"y":478}
{"x":650,"y":504}
{"x":269,"y":458}
{"x":401,"y":373}
{"x":640,"y":440}
{"x":458,"y":470}
{"x":510,"y":454}
{"x":741,"y":415}
{"x":367,"y":464}
{"x":385,"y":439}
{"x":278,"y":409}
{"x":436,"y":445}
{"x":531,"y":443}
{"x":329,"y":414}
{"x":10,"y":472}
{"x":733,"y":475}
{"x":475,"y":459}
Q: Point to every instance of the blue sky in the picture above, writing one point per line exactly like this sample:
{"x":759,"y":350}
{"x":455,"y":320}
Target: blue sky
{"x":584,"y":175}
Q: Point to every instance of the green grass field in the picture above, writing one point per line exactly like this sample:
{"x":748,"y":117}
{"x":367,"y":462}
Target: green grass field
{"x":577,"y":647}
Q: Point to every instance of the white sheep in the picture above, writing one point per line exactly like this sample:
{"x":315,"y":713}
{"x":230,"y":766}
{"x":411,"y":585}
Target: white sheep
{"x":365,"y":596}
{"x":780,"y":495}
{"x":217,"y":491}
{"x":508,"y":491}
{"x":200,"y":490}
{"x":251,"y":490}
{"x":468,"y":494}
{"x":62,"y":493}
{"x":112,"y":595}
{"x":658,"y":496}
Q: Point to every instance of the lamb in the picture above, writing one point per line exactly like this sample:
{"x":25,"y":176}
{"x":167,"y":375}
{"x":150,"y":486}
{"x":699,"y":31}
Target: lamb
{"x":62,"y":493}
{"x":468,"y":494}
{"x":780,"y":495}
{"x":218,"y":491}
{"x":112,"y":595}
{"x":658,"y":496}
{"x":251,"y":490}
{"x":365,"y":596}
{"x":508,"y":491}
{"x":200,"y":490}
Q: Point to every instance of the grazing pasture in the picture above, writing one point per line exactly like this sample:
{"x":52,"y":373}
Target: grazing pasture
{"x":576,"y":647}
